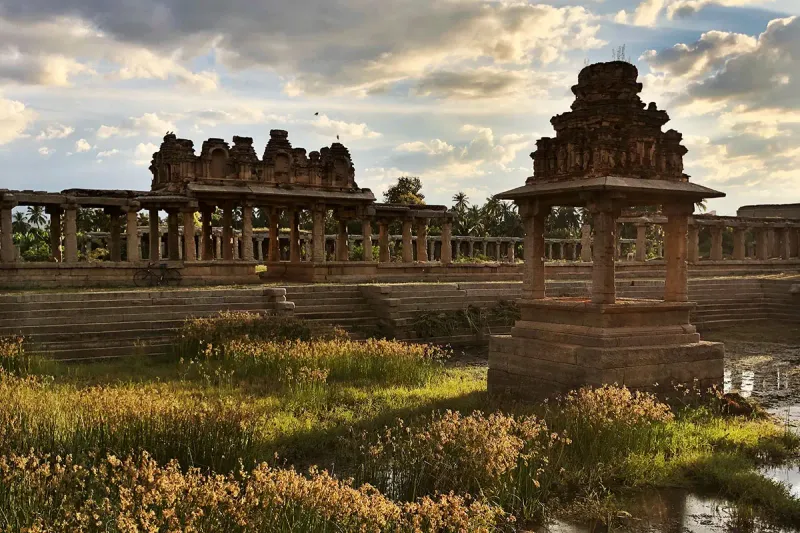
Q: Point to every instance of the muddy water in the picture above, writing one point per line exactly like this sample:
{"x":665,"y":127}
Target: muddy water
{"x":674,"y":511}
{"x":762,"y":363}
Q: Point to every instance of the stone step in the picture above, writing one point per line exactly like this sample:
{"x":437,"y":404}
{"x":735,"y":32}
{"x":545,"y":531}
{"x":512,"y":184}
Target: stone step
{"x":334,"y":315}
{"x":104,"y":352}
{"x":130,"y":315}
{"x":100,"y":337}
{"x":94,"y":328}
{"x":70,"y":315}
{"x":138,"y":302}
{"x":326,"y":301}
{"x":87,"y":296}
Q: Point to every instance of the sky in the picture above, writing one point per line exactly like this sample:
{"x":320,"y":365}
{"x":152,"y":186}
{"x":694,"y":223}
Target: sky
{"x":453,"y":91}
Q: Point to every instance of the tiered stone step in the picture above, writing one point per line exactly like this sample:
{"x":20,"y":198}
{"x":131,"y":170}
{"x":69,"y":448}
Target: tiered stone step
{"x":337,"y":305}
{"x":78,"y":325}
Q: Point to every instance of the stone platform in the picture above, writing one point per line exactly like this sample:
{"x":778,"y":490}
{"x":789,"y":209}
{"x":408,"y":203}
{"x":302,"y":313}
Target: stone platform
{"x":562,"y":344}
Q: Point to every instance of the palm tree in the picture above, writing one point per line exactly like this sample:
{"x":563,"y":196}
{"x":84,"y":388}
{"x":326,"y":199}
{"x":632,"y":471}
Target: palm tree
{"x":460,"y":201}
{"x":19,"y":223}
{"x":36,"y":216}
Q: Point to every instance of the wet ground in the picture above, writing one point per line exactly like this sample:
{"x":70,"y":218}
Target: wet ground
{"x":675,"y":511}
{"x":762,"y":362}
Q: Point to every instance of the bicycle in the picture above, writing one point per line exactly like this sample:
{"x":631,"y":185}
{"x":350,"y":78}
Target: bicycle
{"x":155,"y":277}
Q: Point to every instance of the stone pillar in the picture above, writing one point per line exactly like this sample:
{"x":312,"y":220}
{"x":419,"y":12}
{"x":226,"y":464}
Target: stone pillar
{"x":603,"y":251}
{"x":217,"y":247}
{"x":257,"y":250}
{"x":457,"y":246}
{"x":207,"y":245}
{"x":173,"y":236}
{"x":189,"y":247}
{"x":132,"y":233}
{"x":408,"y":252}
{"x":549,"y":251}
{"x":422,"y":239}
{"x":676,"y":285}
{"x":431,"y":250}
{"x":294,"y":236}
{"x":795,"y":242}
{"x":71,"y":234}
{"x":512,"y":251}
{"x":155,"y":236}
{"x":318,"y":234}
{"x":366,"y":238}
{"x":274,"y":249}
{"x":586,"y":242}
{"x":694,"y":244}
{"x":498,"y":251}
{"x":115,"y":235}
{"x":446,"y":253}
{"x":716,"y":243}
{"x":533,"y":282}
{"x":762,"y":244}
{"x":383,"y":242}
{"x":471,"y":248}
{"x":342,"y":242}
{"x":227,"y":232}
{"x":54,"y":212}
{"x":784,"y":243}
{"x":247,"y":233}
{"x":8,"y":253}
{"x":641,"y":242}
{"x":618,"y":242}
{"x":739,"y":252}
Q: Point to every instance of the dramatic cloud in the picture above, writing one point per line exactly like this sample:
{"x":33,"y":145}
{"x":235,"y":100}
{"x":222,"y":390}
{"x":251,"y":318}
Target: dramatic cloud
{"x":107,"y":153}
{"x":486,"y":82}
{"x":14,"y":120}
{"x":53,"y":50}
{"x":351,"y":46}
{"x":55,"y":131}
{"x":648,"y":12}
{"x":45,"y":151}
{"x":149,"y":124}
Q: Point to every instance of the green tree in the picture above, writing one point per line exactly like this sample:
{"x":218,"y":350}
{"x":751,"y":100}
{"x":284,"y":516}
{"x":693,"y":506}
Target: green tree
{"x":19,"y":223}
{"x":405,"y":191}
{"x":36,"y":216}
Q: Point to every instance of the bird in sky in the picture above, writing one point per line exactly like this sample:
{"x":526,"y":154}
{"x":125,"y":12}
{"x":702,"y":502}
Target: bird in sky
{"x":337,"y":137}
{"x":316,"y":114}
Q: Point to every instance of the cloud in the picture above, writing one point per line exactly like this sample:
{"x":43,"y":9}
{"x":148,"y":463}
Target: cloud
{"x":434,"y":147}
{"x":51,"y":50}
{"x":107,"y":153}
{"x":347,"y":47}
{"x":686,"y":8}
{"x":484,"y":82}
{"x":82,"y":145}
{"x":236,"y":115}
{"x":149,"y":124}
{"x":143,"y":153}
{"x":647,"y":12}
{"x":55,"y":131}
{"x":348,"y":131}
{"x":15,"y":118}
{"x":697,"y":59}
{"x":45,"y":151}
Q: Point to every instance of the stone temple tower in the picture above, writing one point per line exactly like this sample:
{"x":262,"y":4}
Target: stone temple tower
{"x":609,"y":154}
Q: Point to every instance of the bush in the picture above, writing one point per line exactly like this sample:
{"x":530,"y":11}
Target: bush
{"x":13,"y":359}
{"x":298,"y":361}
{"x":197,"y":333}
{"x":498,"y":456}
{"x":45,"y":493}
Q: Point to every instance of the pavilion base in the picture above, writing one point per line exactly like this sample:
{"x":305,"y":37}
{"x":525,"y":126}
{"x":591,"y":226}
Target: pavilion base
{"x":563,"y":344}
{"x":368,"y":272}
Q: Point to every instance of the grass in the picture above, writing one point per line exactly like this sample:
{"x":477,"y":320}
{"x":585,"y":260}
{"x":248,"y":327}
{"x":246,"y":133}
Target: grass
{"x":156,"y":441}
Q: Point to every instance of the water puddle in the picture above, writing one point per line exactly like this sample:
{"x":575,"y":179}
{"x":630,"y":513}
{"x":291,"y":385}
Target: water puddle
{"x":674,"y":511}
{"x":789,"y":475}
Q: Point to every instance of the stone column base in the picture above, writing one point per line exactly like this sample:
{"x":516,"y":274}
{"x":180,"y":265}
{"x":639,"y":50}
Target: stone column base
{"x":563,"y":344}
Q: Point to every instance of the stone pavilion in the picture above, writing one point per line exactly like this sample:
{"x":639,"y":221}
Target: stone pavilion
{"x":609,"y":154}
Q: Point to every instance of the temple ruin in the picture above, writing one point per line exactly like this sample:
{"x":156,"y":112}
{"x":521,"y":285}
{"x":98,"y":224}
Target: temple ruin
{"x":609,"y":154}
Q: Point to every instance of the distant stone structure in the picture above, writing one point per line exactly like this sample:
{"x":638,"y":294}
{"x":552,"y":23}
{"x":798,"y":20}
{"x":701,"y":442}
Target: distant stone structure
{"x":609,"y":154}
{"x":789,"y":211}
